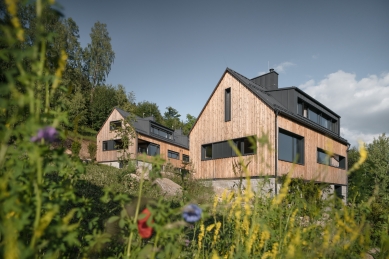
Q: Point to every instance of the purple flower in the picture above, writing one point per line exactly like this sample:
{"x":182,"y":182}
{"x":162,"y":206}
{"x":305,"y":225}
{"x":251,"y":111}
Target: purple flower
{"x":191,"y":213}
{"x":49,"y":134}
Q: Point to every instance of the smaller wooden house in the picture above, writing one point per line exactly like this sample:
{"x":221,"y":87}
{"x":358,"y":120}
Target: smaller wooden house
{"x":150,"y":138}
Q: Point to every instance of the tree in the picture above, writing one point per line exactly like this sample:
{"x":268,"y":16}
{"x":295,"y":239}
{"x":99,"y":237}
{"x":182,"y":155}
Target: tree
{"x":99,"y":55}
{"x":374,"y":172}
{"x":104,"y":97}
{"x":190,"y":121}
{"x":146,"y":109}
{"x":172,"y":118}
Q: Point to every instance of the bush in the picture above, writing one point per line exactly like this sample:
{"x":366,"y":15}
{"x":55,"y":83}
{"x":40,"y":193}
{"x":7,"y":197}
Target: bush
{"x":76,"y":147}
{"x":92,"y":149}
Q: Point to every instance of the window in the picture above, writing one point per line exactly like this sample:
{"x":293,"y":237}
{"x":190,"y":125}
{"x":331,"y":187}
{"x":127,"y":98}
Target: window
{"x":172,"y":154}
{"x":290,"y":147}
{"x":333,"y":160}
{"x":223,"y":149}
{"x":114,"y":125}
{"x":245,"y":146}
{"x":185,"y":158}
{"x":338,"y":191}
{"x":153,"y":149}
{"x":161,"y":132}
{"x":206,"y":152}
{"x":116,"y":144}
{"x":316,"y":116}
{"x":227,"y":102}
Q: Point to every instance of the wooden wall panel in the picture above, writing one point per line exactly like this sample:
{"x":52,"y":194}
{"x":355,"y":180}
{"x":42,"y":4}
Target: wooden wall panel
{"x":113,"y":155}
{"x":311,"y":170}
{"x":163,"y":150}
{"x":106,"y":134}
{"x":249,"y":116}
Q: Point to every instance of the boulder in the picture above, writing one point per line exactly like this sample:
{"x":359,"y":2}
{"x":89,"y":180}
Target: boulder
{"x":168,"y":187}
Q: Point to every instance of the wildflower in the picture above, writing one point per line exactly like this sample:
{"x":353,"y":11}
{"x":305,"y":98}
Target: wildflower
{"x":48,"y":134}
{"x":145,"y":231}
{"x":191,"y":213}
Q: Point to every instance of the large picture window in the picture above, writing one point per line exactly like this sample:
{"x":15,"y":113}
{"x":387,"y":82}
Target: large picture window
{"x":223,"y":149}
{"x":334,"y":160}
{"x":116,"y":144}
{"x":290,"y":147}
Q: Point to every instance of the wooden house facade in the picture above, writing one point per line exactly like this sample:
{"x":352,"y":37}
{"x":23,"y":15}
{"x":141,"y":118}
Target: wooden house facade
{"x":150,"y":139}
{"x":302,"y":134}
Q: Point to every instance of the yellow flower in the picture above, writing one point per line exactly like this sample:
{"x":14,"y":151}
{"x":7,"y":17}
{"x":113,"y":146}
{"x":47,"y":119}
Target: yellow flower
{"x":216,"y":234}
{"x":283,"y":192}
{"x":201,"y":235}
{"x":210,"y":227}
{"x":362,"y":159}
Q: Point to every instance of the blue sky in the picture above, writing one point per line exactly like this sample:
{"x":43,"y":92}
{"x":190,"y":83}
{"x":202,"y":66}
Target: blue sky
{"x":173,"y":53}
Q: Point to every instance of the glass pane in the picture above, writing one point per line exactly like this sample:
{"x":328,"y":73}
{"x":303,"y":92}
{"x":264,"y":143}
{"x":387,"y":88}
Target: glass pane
{"x":300,"y":109}
{"x":313,"y":116}
{"x":323,"y":122}
{"x":322,"y":157}
{"x":208,"y":151}
{"x":285,"y":147}
{"x":247,"y":147}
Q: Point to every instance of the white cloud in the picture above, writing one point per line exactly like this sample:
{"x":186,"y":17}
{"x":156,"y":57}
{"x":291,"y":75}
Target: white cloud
{"x":280,"y":68}
{"x":363,"y":105}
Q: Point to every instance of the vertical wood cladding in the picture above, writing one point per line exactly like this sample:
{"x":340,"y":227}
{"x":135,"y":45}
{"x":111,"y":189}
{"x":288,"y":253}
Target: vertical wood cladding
{"x":113,"y":155}
{"x":106,"y":134}
{"x":163,"y":151}
{"x":249,"y":116}
{"x":311,"y":170}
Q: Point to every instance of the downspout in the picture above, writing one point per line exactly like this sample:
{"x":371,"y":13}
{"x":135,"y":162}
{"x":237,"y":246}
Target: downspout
{"x":276,"y":111}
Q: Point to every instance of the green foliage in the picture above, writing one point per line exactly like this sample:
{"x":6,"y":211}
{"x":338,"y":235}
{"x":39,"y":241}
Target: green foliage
{"x":76,"y":147}
{"x":189,"y":123}
{"x":98,"y":54}
{"x":147,"y":109}
{"x":92,"y":149}
{"x":52,"y":208}
{"x":172,"y":118}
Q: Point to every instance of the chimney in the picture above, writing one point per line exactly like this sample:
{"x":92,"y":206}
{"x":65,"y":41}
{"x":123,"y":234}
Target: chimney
{"x":268,"y":80}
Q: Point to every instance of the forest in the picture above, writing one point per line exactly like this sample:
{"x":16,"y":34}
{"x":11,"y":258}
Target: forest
{"x":87,"y":99}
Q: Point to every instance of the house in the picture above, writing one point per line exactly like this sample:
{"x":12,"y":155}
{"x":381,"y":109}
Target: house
{"x":150,"y":138}
{"x":301,"y":132}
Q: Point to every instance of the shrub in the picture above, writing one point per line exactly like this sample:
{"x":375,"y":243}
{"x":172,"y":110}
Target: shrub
{"x":92,"y":149}
{"x":76,"y":147}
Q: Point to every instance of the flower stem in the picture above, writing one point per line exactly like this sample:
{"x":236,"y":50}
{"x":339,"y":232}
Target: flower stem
{"x":128,"y":253}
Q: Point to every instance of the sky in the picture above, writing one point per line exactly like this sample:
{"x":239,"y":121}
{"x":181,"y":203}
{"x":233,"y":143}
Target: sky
{"x":173,"y":53}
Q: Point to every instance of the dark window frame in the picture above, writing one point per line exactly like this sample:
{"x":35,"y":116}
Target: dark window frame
{"x":185,"y":158}
{"x":205,"y":149}
{"x":114,"y":125}
{"x":342,"y":159}
{"x":227,"y":104}
{"x":171,"y":153}
{"x":105,"y":145}
{"x":303,"y":107}
{"x":298,"y":142}
{"x":222,"y":149}
{"x":158,"y":131}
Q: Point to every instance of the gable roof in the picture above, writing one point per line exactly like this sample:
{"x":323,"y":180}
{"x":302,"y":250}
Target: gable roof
{"x":262,"y":93}
{"x":142,"y":125}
